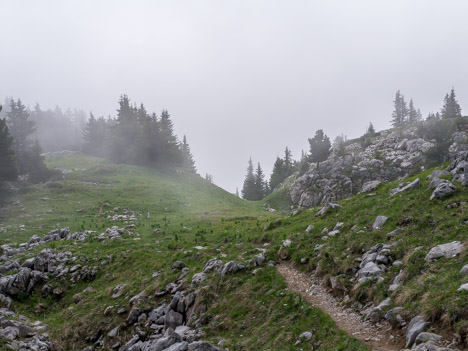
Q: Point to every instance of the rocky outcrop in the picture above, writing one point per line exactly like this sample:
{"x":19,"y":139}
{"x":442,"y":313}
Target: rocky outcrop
{"x":448,"y":250}
{"x":388,"y":157}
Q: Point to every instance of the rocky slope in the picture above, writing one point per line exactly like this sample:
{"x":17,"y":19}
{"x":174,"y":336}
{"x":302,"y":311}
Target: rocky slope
{"x":390,"y":155}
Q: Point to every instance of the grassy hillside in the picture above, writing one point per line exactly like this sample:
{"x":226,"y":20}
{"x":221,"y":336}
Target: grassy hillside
{"x":196,"y":221}
{"x":429,"y":288}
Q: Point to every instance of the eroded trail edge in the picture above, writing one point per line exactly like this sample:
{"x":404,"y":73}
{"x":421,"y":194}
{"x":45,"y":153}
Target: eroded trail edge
{"x":377,"y":337}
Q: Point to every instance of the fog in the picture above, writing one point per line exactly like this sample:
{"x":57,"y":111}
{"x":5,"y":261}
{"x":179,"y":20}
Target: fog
{"x":241,"y":78}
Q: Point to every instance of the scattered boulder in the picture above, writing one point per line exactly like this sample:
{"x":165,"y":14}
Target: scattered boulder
{"x":118,"y":290}
{"x":369,"y":271}
{"x":464,"y":270}
{"x":370,"y":186}
{"x":427,"y":337}
{"x":379,"y":222}
{"x":463,"y":287}
{"x":178,"y":265}
{"x":416,"y":326}
{"x":212,"y":264}
{"x":326,"y":208}
{"x":173,"y":319}
{"x":448,"y":250}
{"x":309,"y":228}
{"x":442,"y":190}
{"x":230,"y":268}
{"x":415,"y":184}
{"x":198,"y":278}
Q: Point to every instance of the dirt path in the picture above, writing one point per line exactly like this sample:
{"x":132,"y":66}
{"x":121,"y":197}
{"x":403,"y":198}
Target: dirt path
{"x":376,"y":337}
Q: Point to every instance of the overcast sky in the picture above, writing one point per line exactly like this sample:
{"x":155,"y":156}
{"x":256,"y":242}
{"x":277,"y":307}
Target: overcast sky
{"x":240,"y":78}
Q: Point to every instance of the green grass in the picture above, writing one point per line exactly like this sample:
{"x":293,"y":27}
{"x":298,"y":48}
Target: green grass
{"x":189,"y":212}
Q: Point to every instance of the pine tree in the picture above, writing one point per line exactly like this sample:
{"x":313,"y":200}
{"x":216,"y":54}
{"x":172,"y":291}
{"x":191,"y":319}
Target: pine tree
{"x":95,"y":135}
{"x":125,"y":133}
{"x":187,"y":162}
{"x":237,"y":192}
{"x":8,"y":169}
{"x":320,"y":147}
{"x":37,"y":170}
{"x":248,"y":190}
{"x":413,"y":114}
{"x":451,"y":107}
{"x":278,"y":174}
{"x":21,"y":128}
{"x":400,"y":112}
{"x":260,"y":186}
{"x":370,"y":129}
{"x":288,"y":162}
{"x":171,"y":155}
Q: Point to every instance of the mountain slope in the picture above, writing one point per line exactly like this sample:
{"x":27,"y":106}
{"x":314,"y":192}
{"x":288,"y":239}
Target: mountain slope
{"x":106,"y":288}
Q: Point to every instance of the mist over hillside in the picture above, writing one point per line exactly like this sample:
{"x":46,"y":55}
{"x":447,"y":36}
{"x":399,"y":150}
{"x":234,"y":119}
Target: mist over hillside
{"x":233,"y":176}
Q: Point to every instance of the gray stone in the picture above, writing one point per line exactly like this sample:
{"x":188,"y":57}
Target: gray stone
{"x":415,"y":184}
{"x":394,"y":232}
{"x":463,"y":287}
{"x":442,"y":190}
{"x":178,"y":265}
{"x":212,"y":264}
{"x":448,"y":250}
{"x":180,"y":346}
{"x":368,"y":271}
{"x":309,"y":228}
{"x":396,"y":282}
{"x":435,"y":182}
{"x":370,"y":186}
{"x":173,"y":319}
{"x":230,"y":268}
{"x":379,"y":222}
{"x":306,"y":335}
{"x":198,"y":278}
{"x":132,"y":317}
{"x":113,"y":332}
{"x":427,"y":337}
{"x":416,"y":326}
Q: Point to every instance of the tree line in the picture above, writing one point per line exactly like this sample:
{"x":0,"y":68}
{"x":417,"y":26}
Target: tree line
{"x":20,"y":155}
{"x":255,"y":186}
{"x":138,"y":137}
{"x":436,"y":126}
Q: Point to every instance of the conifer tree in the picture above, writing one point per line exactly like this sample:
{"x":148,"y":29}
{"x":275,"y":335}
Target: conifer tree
{"x":320,"y":147}
{"x":37,"y":169}
{"x":400,"y":112}
{"x":413,"y":114}
{"x":21,"y":128}
{"x":8,"y":169}
{"x":451,"y":108}
{"x":248,"y":190}
{"x":288,"y":162}
{"x":187,"y":162}
{"x":260,"y":186}
{"x":370,"y":129}
{"x":171,"y":155}
{"x":278,"y":173}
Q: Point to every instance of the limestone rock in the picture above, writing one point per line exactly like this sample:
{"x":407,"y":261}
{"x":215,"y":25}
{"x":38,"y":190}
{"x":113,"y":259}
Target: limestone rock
{"x":448,"y":250}
{"x":231,"y":267}
{"x":379,"y":222}
{"x":443,"y":189}
{"x":415,"y":184}
{"x":370,"y":186}
{"x":416,"y":326}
